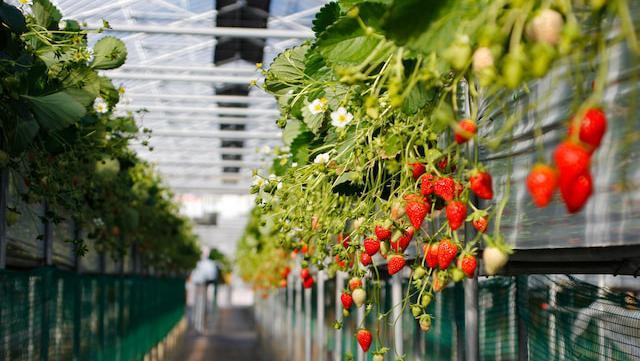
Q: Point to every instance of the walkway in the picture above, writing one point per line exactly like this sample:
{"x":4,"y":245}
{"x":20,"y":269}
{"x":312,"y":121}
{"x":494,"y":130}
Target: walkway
{"x":231,"y":336}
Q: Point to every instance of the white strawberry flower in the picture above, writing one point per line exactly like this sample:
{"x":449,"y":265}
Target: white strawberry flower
{"x":100,"y":106}
{"x":258,"y":181}
{"x":322,"y":158}
{"x":272,"y":177}
{"x":318,"y":106}
{"x":62,"y":24}
{"x":341,"y":117}
{"x":265,"y":149}
{"x":294,"y":164}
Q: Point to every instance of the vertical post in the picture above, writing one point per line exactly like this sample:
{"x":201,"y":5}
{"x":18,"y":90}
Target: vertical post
{"x":320,"y":341}
{"x":298,"y":316}
{"x":472,"y":340}
{"x":396,"y":302}
{"x":337,"y":352}
{"x":307,"y":324}
{"x":289,"y":327}
{"x":4,"y":186}
{"x":522,"y":285}
{"x":360,"y":321}
{"x":459,"y":315}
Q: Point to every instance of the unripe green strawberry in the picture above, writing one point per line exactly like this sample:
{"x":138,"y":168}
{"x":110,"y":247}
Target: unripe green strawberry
{"x":458,"y":53}
{"x":378,"y":357}
{"x":457,"y":275}
{"x":416,"y":310}
{"x":512,"y":70}
{"x":425,"y":323}
{"x":542,"y":55}
{"x":419,"y":272}
{"x":425,"y":300}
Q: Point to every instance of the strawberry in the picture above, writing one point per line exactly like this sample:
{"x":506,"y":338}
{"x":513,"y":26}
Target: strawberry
{"x":426,"y":184}
{"x":431,"y":254}
{"x":456,"y":214}
{"x":447,"y":251}
{"x":354,"y":283}
{"x":343,"y":240}
{"x":468,"y":130}
{"x":480,"y":224}
{"x":576,"y":193}
{"x":341,"y":263}
{"x":480,"y":183}
{"x":571,"y":159}
{"x":440,"y":280}
{"x":359,"y":296}
{"x":546,"y":27}
{"x":308,"y":282}
{"x":285,"y":272}
{"x":417,"y":169}
{"x":365,"y":259}
{"x":494,"y":259}
{"x":383,"y":232}
{"x":346,"y":299}
{"x":371,"y":246}
{"x":468,"y":263}
{"x":304,"y":248}
{"x":283,"y":283}
{"x":395,"y":263}
{"x":401,"y":239}
{"x":445,"y":188}
{"x":304,"y":273}
{"x":416,"y":209}
{"x":443,"y":164}
{"x":542,"y":182}
{"x":592,"y":127}
{"x":364,"y":339}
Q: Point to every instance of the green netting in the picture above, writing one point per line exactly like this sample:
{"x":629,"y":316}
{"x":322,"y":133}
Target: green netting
{"x":562,"y":318}
{"x":48,"y":314}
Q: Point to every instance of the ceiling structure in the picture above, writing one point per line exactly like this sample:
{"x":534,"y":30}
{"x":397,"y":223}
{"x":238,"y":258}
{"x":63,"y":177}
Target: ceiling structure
{"x":189,"y":66}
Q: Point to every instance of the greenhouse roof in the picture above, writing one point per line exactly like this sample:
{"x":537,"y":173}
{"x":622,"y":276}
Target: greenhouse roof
{"x":189,"y":65}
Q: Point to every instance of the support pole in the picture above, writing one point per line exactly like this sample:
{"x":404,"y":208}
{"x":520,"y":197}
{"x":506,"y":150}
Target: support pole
{"x":307,"y":324}
{"x":4,"y":186}
{"x":522,"y":285}
{"x":298,"y":316}
{"x":471,"y":319}
{"x":360,"y":321}
{"x":320,"y":321}
{"x":396,"y":301}
{"x":289,"y":328}
{"x":337,"y":352}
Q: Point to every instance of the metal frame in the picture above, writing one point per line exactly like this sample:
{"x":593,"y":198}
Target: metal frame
{"x":200,"y":31}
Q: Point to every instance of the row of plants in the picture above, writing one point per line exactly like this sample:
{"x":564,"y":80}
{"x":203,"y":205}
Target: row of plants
{"x":64,"y":146}
{"x":383,"y":119}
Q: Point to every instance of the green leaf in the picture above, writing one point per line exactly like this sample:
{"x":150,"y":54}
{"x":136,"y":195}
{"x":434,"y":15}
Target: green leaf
{"x":45,"y":13}
{"x":13,"y":18}
{"x":292,"y":130}
{"x":84,"y":78}
{"x":286,"y":70}
{"x":432,"y":155}
{"x":26,"y":129}
{"x":348,"y":4}
{"x":416,"y":99}
{"x":300,"y":148}
{"x":325,"y":17}
{"x":109,"y":53}
{"x":81,"y":96}
{"x":56,"y":111}
{"x":313,"y":121}
{"x":429,"y":25}
{"x":342,"y":178}
{"x":315,"y":67}
{"x":346,"y":43}
{"x":391,"y":147}
{"x":108,"y":91}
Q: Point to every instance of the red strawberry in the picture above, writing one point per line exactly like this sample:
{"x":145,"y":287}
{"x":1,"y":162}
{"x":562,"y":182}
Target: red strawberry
{"x":456,"y":214}
{"x":283,"y":283}
{"x":468,"y":264}
{"x":383,"y":232}
{"x":444,"y":163}
{"x":365,"y":259}
{"x":426,"y":184}
{"x":480,"y":224}
{"x":304,"y":273}
{"x":542,"y":182}
{"x":354,"y":283}
{"x":308,"y":282}
{"x":480,"y":183}
{"x":401,"y":239}
{"x":571,"y":159}
{"x":592,"y":127}
{"x":431,"y":254}
{"x":344,"y":240}
{"x":304,"y":248}
{"x":416,"y":209}
{"x":285,"y":272}
{"x":417,"y":169}
{"x":395,"y":263}
{"x":371,"y":246}
{"x":347,"y":300}
{"x":341,"y":263}
{"x":445,"y":188}
{"x":469,"y":126}
{"x":576,"y":193}
{"x":364,"y":339}
{"x":446,"y":253}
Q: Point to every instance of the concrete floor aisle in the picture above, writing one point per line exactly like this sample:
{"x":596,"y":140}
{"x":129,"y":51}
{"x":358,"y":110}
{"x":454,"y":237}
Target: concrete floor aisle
{"x":231,"y":336}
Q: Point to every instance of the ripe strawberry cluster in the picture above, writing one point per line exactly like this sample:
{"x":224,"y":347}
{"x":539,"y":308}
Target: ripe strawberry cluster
{"x":572,"y":159}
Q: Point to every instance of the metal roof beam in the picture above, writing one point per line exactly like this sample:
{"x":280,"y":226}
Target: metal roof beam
{"x":213,"y":163}
{"x":181,"y":77}
{"x":222,"y":134}
{"x":231,"y":99}
{"x":214,"y":31}
{"x":191,"y":69}
{"x":204,"y":110}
